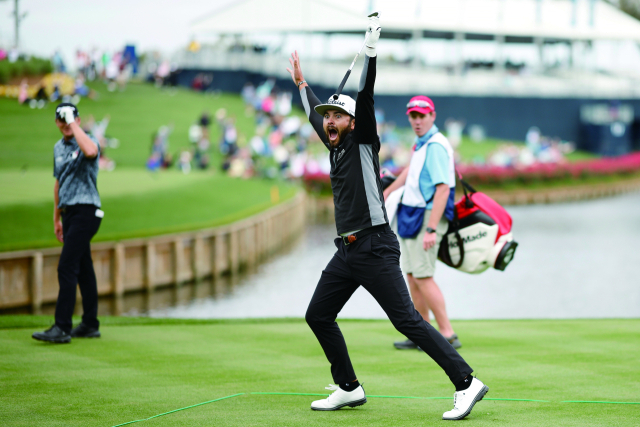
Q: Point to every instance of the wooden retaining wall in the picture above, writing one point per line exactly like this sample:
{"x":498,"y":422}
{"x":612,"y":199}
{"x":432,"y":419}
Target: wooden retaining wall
{"x":322,"y":208}
{"x":564,"y":194}
{"x":30,"y":278}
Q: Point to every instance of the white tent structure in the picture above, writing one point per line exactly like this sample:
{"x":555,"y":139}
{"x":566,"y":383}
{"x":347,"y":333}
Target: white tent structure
{"x":560,"y":20}
{"x":545,"y":29}
{"x":279,"y":16}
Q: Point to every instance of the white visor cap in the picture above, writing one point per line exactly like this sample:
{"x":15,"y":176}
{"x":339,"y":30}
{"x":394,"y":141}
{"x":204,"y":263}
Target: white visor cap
{"x":344,"y":103}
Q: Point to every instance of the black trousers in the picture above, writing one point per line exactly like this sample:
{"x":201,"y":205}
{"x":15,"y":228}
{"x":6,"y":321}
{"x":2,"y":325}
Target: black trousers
{"x":79,"y":225}
{"x":373,"y":262}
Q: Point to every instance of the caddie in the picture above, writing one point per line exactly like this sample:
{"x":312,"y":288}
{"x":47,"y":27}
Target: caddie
{"x":426,"y":206}
{"x":367,"y":250}
{"x":76,"y":219}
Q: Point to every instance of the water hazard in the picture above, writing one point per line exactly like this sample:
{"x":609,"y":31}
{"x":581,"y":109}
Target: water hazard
{"x":575,"y":260}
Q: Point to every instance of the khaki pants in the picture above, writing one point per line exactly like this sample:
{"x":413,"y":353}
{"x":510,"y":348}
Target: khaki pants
{"x":414,"y":259}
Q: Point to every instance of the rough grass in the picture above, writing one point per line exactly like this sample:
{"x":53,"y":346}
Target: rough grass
{"x":141,"y":368}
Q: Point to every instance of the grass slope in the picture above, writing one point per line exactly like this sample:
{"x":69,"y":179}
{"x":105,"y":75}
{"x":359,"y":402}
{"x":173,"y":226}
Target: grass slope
{"x":145,"y":367}
{"x":137,"y":203}
{"x":28,"y":135}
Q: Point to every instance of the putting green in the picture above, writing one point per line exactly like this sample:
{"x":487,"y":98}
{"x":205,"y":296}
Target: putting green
{"x":141,"y":369}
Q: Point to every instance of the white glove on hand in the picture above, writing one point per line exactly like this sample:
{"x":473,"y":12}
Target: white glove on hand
{"x":374,"y":30}
{"x":67,"y":114}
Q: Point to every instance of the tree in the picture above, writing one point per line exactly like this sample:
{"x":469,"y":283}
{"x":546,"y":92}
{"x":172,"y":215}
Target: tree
{"x":632,"y":7}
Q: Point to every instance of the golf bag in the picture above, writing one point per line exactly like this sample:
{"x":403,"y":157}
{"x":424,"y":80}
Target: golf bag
{"x":479,"y":236}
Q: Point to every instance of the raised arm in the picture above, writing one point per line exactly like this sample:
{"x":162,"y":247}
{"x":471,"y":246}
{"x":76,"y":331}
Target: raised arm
{"x":89,"y":148}
{"x":309,"y":99}
{"x":365,"y":112}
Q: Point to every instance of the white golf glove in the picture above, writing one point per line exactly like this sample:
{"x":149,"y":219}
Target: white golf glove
{"x":67,"y":114}
{"x":374,"y":29}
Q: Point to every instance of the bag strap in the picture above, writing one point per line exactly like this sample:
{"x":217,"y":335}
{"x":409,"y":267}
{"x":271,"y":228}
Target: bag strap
{"x":455,"y":223}
{"x":465,"y":186}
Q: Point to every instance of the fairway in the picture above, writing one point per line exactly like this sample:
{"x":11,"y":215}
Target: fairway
{"x":145,"y":367}
{"x":137,"y":203}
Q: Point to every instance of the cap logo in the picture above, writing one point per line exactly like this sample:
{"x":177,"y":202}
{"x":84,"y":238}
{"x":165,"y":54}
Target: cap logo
{"x":331,"y":101}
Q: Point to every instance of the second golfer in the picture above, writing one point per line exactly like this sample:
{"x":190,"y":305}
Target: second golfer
{"x":76,"y":219}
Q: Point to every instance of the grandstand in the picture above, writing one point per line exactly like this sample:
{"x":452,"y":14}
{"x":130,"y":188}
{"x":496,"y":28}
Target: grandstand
{"x":503,"y":64}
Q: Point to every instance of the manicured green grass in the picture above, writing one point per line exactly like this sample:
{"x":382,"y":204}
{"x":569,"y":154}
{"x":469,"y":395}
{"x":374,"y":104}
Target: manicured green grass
{"x":28,"y":135}
{"x":137,"y":203}
{"x":139,"y":369}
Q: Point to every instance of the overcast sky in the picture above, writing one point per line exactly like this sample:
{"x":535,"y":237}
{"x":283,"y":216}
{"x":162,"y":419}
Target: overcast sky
{"x":69,"y":24}
{"x":164,"y":25}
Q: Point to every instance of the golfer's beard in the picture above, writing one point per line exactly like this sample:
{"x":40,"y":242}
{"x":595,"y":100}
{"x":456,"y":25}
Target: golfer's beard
{"x":342,"y":134}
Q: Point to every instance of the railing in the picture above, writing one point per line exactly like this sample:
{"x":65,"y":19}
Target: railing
{"x":395,"y":78}
{"x":30,"y":278}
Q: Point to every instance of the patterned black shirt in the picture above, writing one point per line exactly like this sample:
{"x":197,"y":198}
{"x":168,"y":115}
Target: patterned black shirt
{"x":355,"y":166}
{"x":76,"y":174}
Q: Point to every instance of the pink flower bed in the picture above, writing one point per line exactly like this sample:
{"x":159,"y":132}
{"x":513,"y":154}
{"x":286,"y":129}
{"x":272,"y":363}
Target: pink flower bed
{"x":539,"y":172}
{"x":546,"y":172}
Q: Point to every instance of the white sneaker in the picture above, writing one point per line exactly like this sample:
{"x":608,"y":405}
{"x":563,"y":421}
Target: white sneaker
{"x":340,"y":398}
{"x":464,"y":400}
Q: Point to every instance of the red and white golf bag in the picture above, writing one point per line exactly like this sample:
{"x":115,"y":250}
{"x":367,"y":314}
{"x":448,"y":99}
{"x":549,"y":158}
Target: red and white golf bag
{"x":480,"y":235}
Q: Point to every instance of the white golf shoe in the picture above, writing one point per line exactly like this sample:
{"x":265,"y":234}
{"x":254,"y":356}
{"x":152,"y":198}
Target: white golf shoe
{"x":340,"y":398}
{"x":464,"y":400}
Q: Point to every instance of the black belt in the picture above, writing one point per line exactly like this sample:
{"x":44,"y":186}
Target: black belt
{"x":71,"y":208}
{"x":347,"y":240}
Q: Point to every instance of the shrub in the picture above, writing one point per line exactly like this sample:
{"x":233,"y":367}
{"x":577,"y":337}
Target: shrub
{"x":5,"y":72}
{"x":31,"y":67}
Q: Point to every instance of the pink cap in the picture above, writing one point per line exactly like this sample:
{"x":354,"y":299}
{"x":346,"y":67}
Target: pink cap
{"x":421,"y":104}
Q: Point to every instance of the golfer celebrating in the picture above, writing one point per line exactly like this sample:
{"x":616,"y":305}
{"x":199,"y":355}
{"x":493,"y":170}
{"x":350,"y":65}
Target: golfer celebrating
{"x":76,"y":219}
{"x":367,"y":250}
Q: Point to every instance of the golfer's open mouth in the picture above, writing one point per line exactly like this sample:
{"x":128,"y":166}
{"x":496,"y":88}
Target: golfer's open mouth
{"x":333,"y":134}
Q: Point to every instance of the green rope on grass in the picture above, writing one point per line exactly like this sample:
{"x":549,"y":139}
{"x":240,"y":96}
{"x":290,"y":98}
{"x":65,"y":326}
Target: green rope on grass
{"x":181,"y":409}
{"x":409,"y":397}
{"x":291,"y":394}
{"x":380,"y":396}
{"x":400,"y":397}
{"x":599,"y":401}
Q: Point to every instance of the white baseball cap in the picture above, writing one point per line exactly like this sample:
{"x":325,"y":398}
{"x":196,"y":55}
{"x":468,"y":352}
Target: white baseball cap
{"x":344,"y":103}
